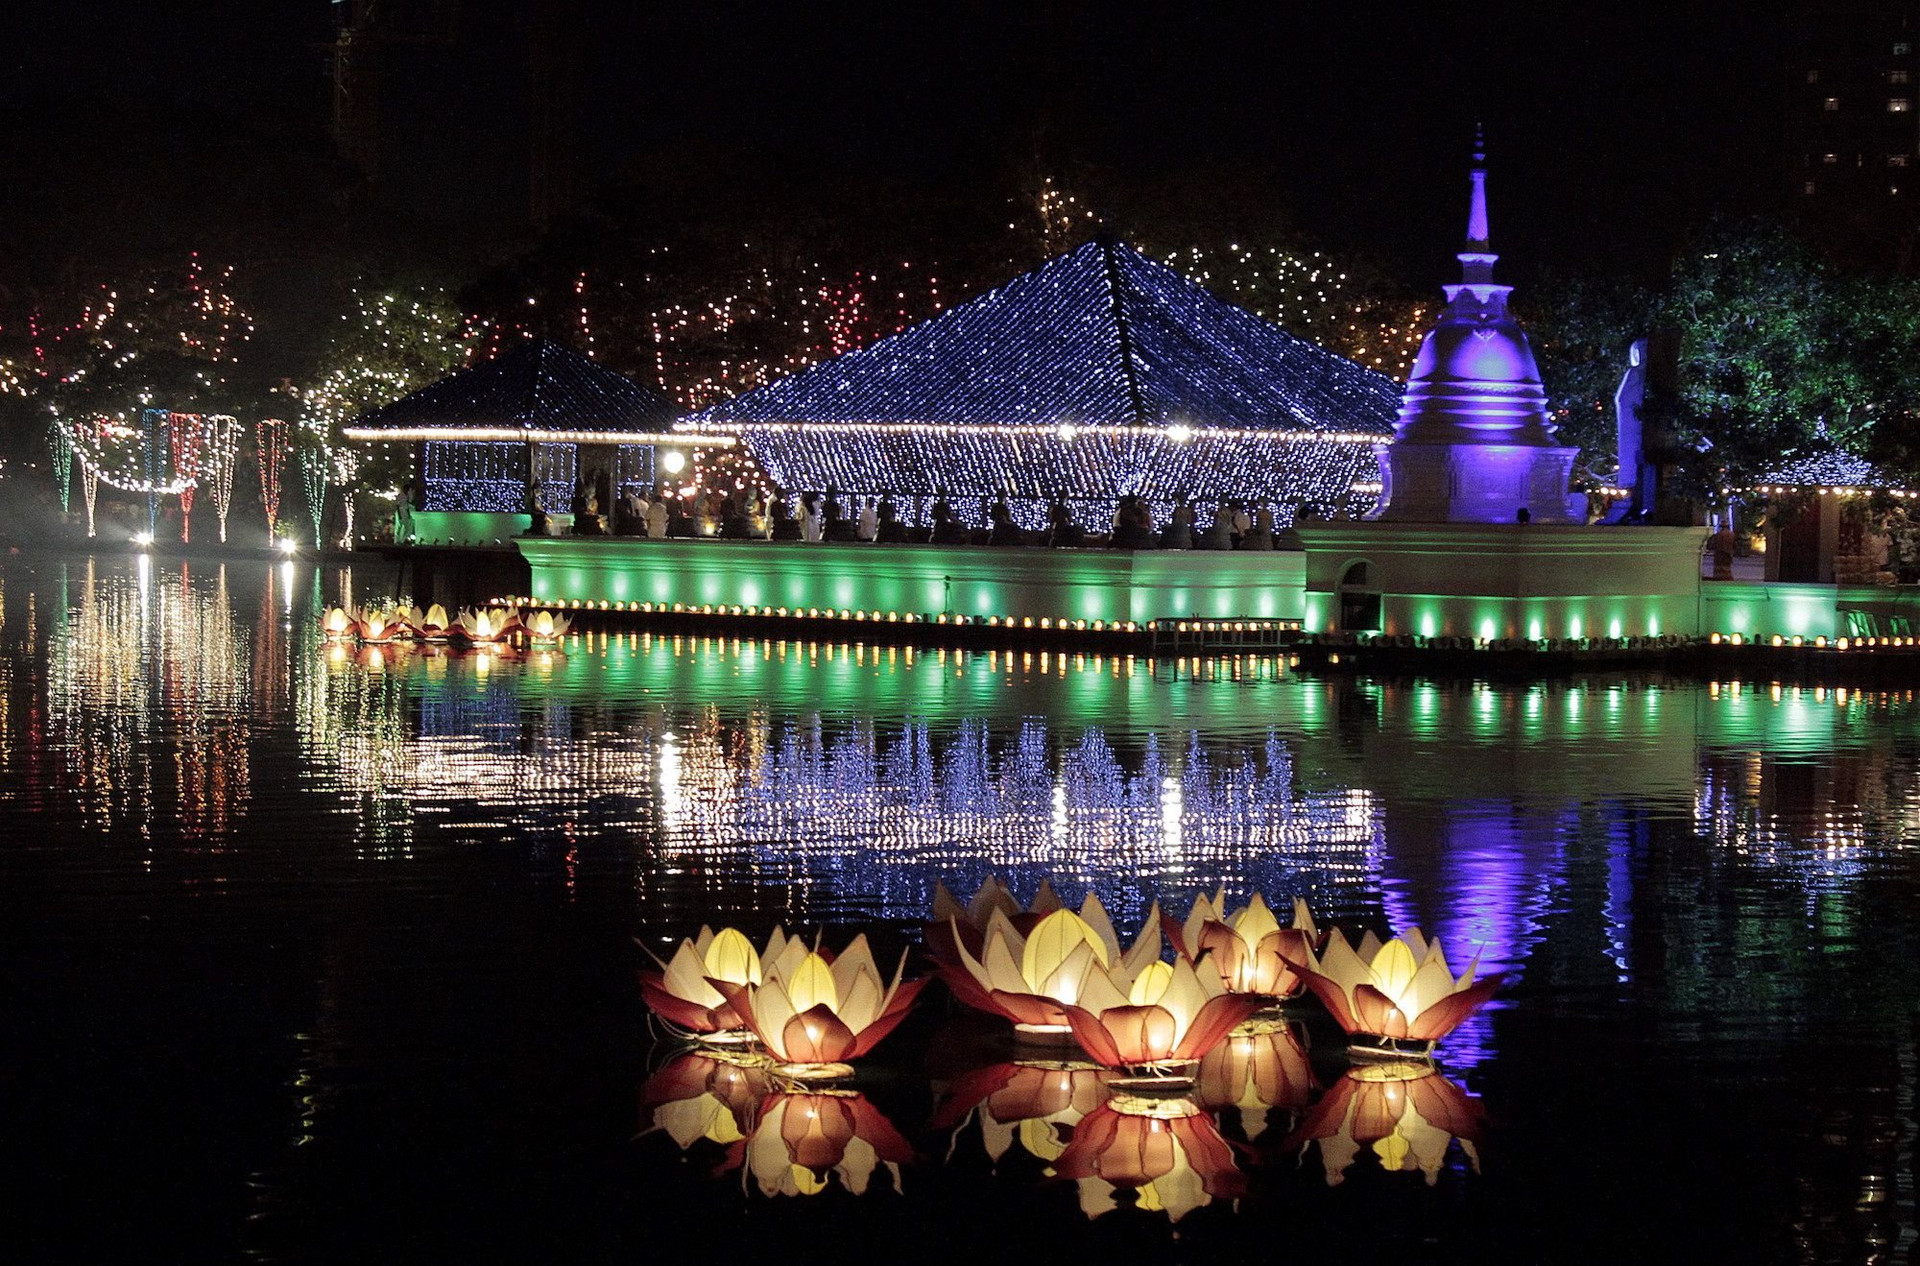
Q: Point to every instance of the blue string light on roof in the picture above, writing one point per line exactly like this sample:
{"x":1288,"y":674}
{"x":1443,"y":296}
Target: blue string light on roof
{"x":1098,"y":374}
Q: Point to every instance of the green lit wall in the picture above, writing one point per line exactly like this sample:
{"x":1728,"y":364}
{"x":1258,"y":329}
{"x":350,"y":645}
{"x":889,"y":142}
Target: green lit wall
{"x":1110,"y":585}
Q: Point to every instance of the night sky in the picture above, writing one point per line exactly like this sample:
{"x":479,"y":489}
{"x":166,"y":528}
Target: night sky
{"x":146,"y":128}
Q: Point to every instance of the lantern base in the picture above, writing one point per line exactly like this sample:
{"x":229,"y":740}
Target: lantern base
{"x":1379,"y":1070}
{"x":725,"y":1039}
{"x":1171,"y":1077}
{"x":814,"y":1074}
{"x":1371,"y":1046}
{"x":1160,"y":1107}
{"x":1043,"y":1035}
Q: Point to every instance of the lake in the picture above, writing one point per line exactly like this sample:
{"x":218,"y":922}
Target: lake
{"x":318,"y":953}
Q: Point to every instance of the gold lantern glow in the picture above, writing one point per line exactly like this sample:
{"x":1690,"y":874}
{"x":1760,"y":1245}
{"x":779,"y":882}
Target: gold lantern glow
{"x":1398,"y":996}
{"x":684,"y":991}
{"x":1403,"y":1111}
{"x":813,"y":1013}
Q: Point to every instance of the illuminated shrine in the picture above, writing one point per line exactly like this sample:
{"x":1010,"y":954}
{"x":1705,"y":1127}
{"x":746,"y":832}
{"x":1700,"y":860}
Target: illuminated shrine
{"x":1098,"y":375}
{"x":534,"y":424}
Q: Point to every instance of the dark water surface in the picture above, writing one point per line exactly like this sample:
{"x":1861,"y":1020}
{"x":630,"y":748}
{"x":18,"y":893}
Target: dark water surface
{"x":315,"y":954}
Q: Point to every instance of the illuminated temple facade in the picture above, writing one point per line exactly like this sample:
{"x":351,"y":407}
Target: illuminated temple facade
{"x":1097,"y":375}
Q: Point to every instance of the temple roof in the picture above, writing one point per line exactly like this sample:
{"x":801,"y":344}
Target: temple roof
{"x":537,"y":390}
{"x":1100,"y":336}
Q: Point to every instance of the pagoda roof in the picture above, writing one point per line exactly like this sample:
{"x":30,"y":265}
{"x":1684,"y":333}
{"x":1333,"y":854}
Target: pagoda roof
{"x":1100,"y":336}
{"x":538,"y":390}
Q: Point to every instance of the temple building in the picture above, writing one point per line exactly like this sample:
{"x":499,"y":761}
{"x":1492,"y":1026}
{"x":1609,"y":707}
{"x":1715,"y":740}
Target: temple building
{"x":539,"y":422}
{"x":1098,"y":375}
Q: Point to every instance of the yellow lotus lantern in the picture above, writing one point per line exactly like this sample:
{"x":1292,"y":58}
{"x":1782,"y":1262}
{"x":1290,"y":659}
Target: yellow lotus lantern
{"x":1404,"y":1112}
{"x":695,"y":1097}
{"x":1398,"y":996}
{"x":488,"y":624}
{"x":406,"y":621}
{"x":1032,"y":977}
{"x":1249,"y":948}
{"x":1035,"y":1105}
{"x":336,"y":624}
{"x":955,"y":924}
{"x":545,"y":626}
{"x":814,"y":1013}
{"x":434,"y":624}
{"x":1167,"y":1152}
{"x":802,"y":1141}
{"x":684,"y":991}
{"x":376,"y":627}
{"x":1160,"y":1022}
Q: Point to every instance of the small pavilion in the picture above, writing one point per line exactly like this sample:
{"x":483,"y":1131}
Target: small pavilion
{"x":538,"y":420}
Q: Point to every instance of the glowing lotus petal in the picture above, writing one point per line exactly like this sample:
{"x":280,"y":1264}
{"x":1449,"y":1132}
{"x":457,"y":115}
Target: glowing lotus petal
{"x":375,"y":627}
{"x":803,"y":1140}
{"x":1406,"y":1114}
{"x":434,"y":622}
{"x":488,"y":624}
{"x":680,"y":992}
{"x":336,"y":623}
{"x":807,"y":1011}
{"x":1169,"y":1153}
{"x":1400,"y":989}
{"x":546,"y":626}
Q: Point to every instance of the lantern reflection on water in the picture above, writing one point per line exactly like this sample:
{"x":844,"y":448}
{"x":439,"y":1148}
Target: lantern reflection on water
{"x":1167,"y":1152}
{"x":695,"y":1097}
{"x":1255,"y":1073}
{"x":804,"y":1139}
{"x":1395,"y":992}
{"x":1406,"y":1113}
{"x":1037,"y":1105}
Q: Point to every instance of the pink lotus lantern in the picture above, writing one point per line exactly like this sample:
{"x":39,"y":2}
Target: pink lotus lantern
{"x":376,"y":628}
{"x":336,"y":625}
{"x":1167,"y":1152}
{"x":1398,"y":996}
{"x":1249,"y":948}
{"x":1031,"y":977}
{"x":685,"y":991}
{"x":546,"y":628}
{"x":1159,"y":1023}
{"x":1406,"y":1113}
{"x":814,"y":1014}
{"x":487,"y":625}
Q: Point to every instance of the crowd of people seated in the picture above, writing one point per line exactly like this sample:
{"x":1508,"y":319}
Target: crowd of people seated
{"x":815,"y":517}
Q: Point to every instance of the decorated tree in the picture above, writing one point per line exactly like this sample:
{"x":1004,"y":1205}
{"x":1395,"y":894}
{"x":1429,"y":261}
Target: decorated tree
{"x":222,"y":452}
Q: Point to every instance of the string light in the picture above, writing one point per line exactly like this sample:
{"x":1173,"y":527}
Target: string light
{"x":222,"y":455}
{"x":272,"y":438}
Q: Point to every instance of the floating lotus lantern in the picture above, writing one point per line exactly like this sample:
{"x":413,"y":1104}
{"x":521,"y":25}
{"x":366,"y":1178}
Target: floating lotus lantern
{"x":1249,"y":948}
{"x":1406,"y":1112}
{"x":434,"y":624}
{"x":406,"y":621}
{"x":377,"y":627}
{"x":545,"y":626}
{"x":488,"y":624}
{"x":336,"y":624}
{"x":1158,"y":1023}
{"x":1397,"y":996}
{"x":1032,"y":977}
{"x":684,"y":991}
{"x":803,"y":1140}
{"x":813,"y":1014}
{"x":1166,"y":1151}
{"x":1254,"y":1073}
{"x":696,"y":1096}
{"x":1037,"y":1105}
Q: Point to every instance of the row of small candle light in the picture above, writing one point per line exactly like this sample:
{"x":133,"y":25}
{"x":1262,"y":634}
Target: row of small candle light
{"x":863,"y":615}
{"x":376,"y":626}
{"x":1819,"y":643}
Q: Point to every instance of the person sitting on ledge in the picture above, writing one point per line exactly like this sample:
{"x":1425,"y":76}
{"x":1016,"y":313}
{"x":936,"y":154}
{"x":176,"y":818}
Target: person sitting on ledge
{"x":736,"y":523}
{"x":834,"y":523}
{"x":657,"y":517}
{"x":1133,"y":524}
{"x":868,"y":525}
{"x":1062,"y":531}
{"x":810,"y":529}
{"x":889,"y":530}
{"x":1220,"y":531}
{"x":947,"y":530}
{"x":1179,"y":533}
{"x":1260,"y":535}
{"x":538,"y":522}
{"x":1004,"y":531}
{"x":586,"y":515}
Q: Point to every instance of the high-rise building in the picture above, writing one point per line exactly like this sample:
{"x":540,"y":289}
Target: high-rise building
{"x":1853,"y":129}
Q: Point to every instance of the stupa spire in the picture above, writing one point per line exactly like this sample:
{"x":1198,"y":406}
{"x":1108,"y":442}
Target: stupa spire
{"x":1477,"y":260}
